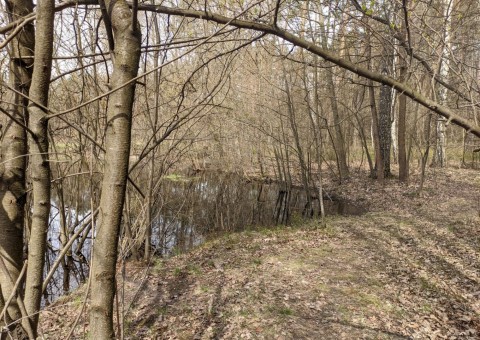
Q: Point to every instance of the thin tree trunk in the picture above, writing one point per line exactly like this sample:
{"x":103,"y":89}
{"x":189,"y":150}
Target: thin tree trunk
{"x":440,"y":158}
{"x":299,"y":149}
{"x":38,"y":148}
{"x":401,"y":124}
{"x":318,"y":146}
{"x":150,"y":201}
{"x":339,"y":144}
{"x":380,"y":174}
{"x":13,"y":151}
{"x":384,"y":114}
{"x":119,"y":116}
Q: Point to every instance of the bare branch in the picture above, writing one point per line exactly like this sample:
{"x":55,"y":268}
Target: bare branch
{"x":317,"y":50}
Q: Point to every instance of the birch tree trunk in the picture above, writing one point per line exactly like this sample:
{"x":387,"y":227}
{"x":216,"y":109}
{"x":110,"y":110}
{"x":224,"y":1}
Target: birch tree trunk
{"x":440,"y":156}
{"x":119,"y":116}
{"x":384,"y":113}
{"x":39,"y":162}
{"x":13,"y":149}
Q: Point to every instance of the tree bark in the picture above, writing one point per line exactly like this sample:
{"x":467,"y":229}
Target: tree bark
{"x":402,"y":107}
{"x":385,"y":113}
{"x":440,"y":158}
{"x":119,"y":115}
{"x":13,"y":151}
{"x":38,"y":149}
{"x":385,"y":128}
{"x":402,"y":114}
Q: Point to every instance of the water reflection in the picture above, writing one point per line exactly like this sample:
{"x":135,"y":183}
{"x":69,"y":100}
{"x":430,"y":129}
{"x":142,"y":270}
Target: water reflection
{"x":211,"y":203}
{"x":186,"y":212}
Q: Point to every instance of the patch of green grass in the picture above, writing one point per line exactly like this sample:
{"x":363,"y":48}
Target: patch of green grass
{"x":329,"y":230}
{"x":451,"y":228}
{"x":426,"y":308}
{"x":244,"y":312}
{"x":176,"y":251}
{"x":323,"y":249}
{"x":257,"y":261}
{"x":285,"y":311}
{"x":410,"y":194}
{"x":204,"y":289}
{"x":427,"y":285}
{"x":280,"y":310}
{"x":255,"y":246}
{"x":344,"y":312}
{"x":157,"y":265}
{"x":78,"y":300}
{"x":370,"y":300}
{"x":297,"y":220}
{"x":266,"y":231}
{"x":193,"y":269}
{"x":187,"y":309}
{"x":322,"y":288}
{"x":229,"y":240}
{"x":162,"y":310}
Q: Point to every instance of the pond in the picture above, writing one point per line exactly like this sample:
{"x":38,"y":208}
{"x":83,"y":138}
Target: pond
{"x":191,"y":209}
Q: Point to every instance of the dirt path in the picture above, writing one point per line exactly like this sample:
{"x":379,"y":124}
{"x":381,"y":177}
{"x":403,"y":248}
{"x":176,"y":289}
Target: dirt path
{"x":409,"y":268}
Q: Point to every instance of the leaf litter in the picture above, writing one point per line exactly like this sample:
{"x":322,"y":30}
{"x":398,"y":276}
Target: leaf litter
{"x":407,"y":269}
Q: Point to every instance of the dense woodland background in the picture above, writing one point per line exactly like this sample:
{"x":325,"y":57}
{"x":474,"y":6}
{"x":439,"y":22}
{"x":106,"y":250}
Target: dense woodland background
{"x":112,"y":111}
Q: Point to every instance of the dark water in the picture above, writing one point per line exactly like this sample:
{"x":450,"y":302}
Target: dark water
{"x":194,"y":208}
{"x":189,"y":210}
{"x":77,"y":259}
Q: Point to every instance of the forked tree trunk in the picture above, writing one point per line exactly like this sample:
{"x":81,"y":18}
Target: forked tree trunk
{"x":13,"y":149}
{"x":39,"y":162}
{"x":119,"y":119}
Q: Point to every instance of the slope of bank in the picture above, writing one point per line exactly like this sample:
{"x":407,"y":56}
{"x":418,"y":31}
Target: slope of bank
{"x":409,"y":268}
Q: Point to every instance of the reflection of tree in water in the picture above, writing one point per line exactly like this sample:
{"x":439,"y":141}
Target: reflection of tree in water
{"x":73,"y":269}
{"x":215,"y":203}
{"x":187,"y":211}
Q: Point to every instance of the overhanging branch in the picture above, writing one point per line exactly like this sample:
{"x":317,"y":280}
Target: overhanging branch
{"x":299,"y":42}
{"x":317,"y":50}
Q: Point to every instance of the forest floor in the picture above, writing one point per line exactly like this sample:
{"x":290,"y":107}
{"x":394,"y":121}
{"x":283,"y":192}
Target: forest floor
{"x":409,"y":268}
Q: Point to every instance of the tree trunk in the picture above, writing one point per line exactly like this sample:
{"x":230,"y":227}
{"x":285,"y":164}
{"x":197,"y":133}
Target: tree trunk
{"x":401,"y":126}
{"x":119,"y":115}
{"x":380,"y":174}
{"x":38,"y":149}
{"x":13,"y":149}
{"x":440,"y":158}
{"x":298,"y":147}
{"x":339,"y":143}
{"x":384,"y":115}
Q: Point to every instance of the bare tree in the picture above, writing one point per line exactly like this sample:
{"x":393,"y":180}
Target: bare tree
{"x":126,"y":53}
{"x":39,"y":159}
{"x":13,"y":159}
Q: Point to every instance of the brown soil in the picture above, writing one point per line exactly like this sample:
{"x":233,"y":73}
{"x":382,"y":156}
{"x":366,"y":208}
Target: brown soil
{"x":407,"y":269}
